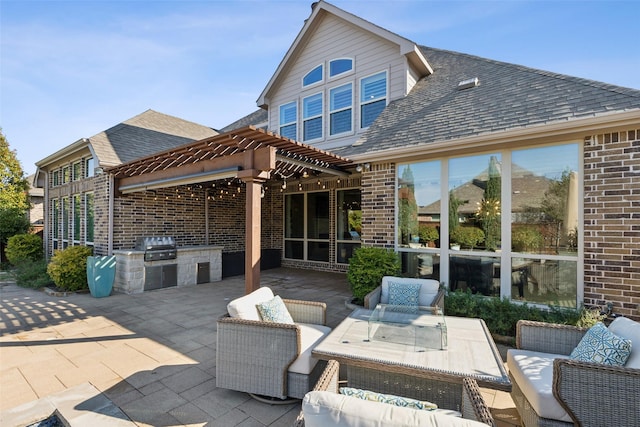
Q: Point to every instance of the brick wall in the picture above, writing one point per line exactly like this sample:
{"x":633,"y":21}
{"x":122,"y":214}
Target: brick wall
{"x":378,"y":205}
{"x":612,"y":221}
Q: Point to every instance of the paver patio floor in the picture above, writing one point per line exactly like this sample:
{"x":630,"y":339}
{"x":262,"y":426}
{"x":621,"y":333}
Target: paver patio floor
{"x":152,"y":354}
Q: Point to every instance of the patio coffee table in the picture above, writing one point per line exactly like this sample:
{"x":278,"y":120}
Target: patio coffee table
{"x":417,"y":371}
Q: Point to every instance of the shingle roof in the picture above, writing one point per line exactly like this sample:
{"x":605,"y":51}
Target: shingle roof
{"x":508,"y":96}
{"x":257,"y":118}
{"x":147,"y":133}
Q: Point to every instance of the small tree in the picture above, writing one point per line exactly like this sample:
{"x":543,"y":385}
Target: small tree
{"x":367,"y":267}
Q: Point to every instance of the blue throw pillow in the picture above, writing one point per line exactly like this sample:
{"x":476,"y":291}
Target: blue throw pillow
{"x":599,"y":345}
{"x":274,"y":310}
{"x":405,"y":294}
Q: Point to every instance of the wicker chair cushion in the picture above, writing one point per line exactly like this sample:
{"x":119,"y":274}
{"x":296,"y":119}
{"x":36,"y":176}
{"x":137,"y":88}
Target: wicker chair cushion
{"x":310,"y":336}
{"x":245,"y":307}
{"x":404,"y":294}
{"x":428,"y":289}
{"x":325,"y":408}
{"x":599,"y":345}
{"x":274,"y":310}
{"x":629,"y":329}
{"x":533,"y":371}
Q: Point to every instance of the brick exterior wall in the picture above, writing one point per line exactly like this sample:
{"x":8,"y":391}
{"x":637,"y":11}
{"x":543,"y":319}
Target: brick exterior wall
{"x":378,"y":205}
{"x":612,"y":221}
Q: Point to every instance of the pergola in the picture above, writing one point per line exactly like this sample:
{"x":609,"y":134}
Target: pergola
{"x":250,"y":154}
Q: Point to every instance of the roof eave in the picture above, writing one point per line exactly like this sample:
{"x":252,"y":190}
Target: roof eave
{"x":80,"y":144}
{"x":566,"y":129}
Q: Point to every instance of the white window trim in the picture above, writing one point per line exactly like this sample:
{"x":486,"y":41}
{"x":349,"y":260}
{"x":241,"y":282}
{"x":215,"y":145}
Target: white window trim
{"x":314,"y":84}
{"x":361,"y":103}
{"x":322,"y":116}
{"x":344,"y":73}
{"x":297,"y":119}
{"x":330,"y":111}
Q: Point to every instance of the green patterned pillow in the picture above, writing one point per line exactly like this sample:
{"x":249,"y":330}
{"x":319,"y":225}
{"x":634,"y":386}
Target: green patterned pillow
{"x":274,"y":310}
{"x":404,"y":294}
{"x":388,"y":398}
{"x":599,"y":345}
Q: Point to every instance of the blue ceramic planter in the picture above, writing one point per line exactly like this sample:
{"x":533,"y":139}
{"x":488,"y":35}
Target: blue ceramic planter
{"x":101,"y":272}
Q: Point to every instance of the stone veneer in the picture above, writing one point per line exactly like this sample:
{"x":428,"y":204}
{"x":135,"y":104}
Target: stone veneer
{"x":130,"y":267}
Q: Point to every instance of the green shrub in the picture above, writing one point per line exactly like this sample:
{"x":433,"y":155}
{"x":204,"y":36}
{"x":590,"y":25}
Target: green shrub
{"x":428,"y":233}
{"x":68,"y":268}
{"x":501,"y":315}
{"x":32,"y":274}
{"x":367,"y":267}
{"x":468,"y":237}
{"x":526,"y":239}
{"x":22,"y":247}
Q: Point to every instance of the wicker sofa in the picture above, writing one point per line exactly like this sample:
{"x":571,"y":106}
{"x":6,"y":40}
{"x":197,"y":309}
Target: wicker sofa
{"x":551,"y":389}
{"x":324,"y":406}
{"x":431,"y":293}
{"x":267,"y":359}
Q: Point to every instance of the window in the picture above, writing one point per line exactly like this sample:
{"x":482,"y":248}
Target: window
{"x":349,"y":223}
{"x":89,"y":217}
{"x":288,"y":120}
{"x":312,"y":117}
{"x":55,"y":222}
{"x":340,"y":116}
{"x":513,"y":223}
{"x":340,"y":66}
{"x":56,"y":178}
{"x":307,"y":226}
{"x":77,"y":171}
{"x":77,"y":214}
{"x":313,"y":76}
{"x":89,"y":167}
{"x":66,"y":177}
{"x":65,"y":222}
{"x":373,"y":97}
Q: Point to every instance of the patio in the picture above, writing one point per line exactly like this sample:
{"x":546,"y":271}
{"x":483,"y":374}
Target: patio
{"x":152,"y":354}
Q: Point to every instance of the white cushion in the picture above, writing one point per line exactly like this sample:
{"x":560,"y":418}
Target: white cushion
{"x":324,"y":408}
{"x":428,"y":290}
{"x":245,"y":307}
{"x":310,"y":336}
{"x":629,"y":329}
{"x":533,"y":371}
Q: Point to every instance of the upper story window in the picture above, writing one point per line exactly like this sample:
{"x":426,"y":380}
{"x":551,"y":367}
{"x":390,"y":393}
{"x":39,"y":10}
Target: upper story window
{"x":89,"y":167}
{"x":341,"y":109}
{"x":289,"y":120}
{"x":77,"y":171}
{"x":312,"y":117}
{"x":56,"y":178}
{"x":66,"y":174}
{"x":313,"y":76}
{"x":373,"y":97}
{"x":340,"y":66}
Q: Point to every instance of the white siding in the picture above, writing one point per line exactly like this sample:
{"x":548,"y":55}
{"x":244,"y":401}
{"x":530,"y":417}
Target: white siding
{"x":336,"y":38}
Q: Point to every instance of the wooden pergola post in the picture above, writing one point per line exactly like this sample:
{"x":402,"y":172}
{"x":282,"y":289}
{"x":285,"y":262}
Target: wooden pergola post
{"x":257,"y":167}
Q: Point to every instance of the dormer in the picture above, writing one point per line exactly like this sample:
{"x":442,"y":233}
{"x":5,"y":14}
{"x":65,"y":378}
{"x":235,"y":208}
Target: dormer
{"x":338,"y":75}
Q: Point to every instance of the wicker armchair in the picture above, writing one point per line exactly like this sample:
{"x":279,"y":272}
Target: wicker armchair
{"x":473,"y":406}
{"x":592,"y":394}
{"x":254,"y":356}
{"x":431,"y":293}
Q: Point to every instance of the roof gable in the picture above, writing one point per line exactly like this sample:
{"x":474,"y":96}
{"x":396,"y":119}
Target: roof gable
{"x":319,"y":11}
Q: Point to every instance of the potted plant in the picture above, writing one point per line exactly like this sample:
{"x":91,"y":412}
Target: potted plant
{"x":428,"y":234}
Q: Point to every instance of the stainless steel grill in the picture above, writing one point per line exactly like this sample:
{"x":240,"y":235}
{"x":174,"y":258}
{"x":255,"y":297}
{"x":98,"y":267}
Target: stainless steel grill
{"x":157,"y":248}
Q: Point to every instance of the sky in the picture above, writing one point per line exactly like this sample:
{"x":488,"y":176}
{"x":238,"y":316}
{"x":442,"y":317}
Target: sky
{"x":72,"y":69}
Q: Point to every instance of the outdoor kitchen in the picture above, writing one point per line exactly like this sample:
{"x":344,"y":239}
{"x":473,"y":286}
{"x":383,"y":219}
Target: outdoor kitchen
{"x":157,"y":262}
